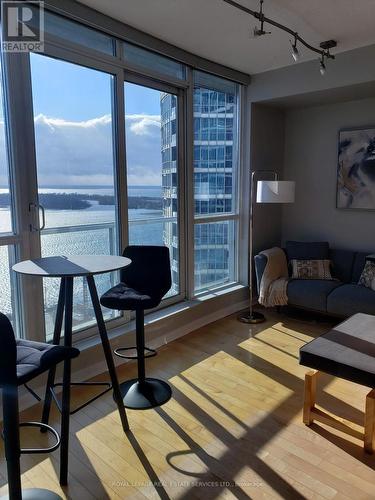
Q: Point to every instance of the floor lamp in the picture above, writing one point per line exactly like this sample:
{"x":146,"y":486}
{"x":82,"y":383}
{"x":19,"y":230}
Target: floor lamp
{"x":271,"y":191}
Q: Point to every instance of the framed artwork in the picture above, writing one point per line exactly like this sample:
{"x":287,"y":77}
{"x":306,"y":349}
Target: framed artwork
{"x":356,"y":169}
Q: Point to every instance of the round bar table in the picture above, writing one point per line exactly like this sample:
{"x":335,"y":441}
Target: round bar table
{"x":67,"y":268}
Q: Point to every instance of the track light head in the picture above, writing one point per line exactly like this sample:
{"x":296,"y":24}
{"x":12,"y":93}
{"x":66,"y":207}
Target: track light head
{"x":322,"y":67}
{"x":295,"y":53}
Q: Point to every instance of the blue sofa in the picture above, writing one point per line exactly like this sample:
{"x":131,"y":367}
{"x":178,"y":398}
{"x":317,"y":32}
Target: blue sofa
{"x":339,"y":297}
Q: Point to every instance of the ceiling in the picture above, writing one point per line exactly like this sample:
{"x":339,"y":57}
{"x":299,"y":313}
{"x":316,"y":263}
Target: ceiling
{"x":221,"y":33}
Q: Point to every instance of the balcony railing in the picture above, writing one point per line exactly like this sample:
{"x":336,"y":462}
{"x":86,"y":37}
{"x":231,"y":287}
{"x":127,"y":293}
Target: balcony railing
{"x":85,"y":239}
{"x":84,"y":228}
{"x":97,"y":238}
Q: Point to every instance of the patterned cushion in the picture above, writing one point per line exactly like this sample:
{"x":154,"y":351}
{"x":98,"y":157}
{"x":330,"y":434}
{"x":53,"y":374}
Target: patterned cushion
{"x":367,"y":278}
{"x":311,"y":269}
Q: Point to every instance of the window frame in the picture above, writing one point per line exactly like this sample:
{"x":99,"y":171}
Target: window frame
{"x":235,"y":214}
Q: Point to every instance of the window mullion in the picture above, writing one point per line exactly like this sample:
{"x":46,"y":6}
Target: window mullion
{"x":120,"y":162}
{"x":121,"y":185}
{"x":215,"y":218}
{"x":189,"y":183}
{"x":243,"y":189}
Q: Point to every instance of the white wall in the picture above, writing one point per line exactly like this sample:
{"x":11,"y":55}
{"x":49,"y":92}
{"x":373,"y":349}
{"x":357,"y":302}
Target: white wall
{"x":311,"y":136}
{"x":267,"y":153}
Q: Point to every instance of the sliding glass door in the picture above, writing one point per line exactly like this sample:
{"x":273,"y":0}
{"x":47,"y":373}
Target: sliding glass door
{"x":74,"y":140}
{"x":152,"y":158}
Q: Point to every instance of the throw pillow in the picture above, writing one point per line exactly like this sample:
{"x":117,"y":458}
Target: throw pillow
{"x":311,"y":269}
{"x":367,"y":278}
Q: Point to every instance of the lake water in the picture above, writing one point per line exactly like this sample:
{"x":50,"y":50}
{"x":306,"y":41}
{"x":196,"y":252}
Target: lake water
{"x":98,"y":240}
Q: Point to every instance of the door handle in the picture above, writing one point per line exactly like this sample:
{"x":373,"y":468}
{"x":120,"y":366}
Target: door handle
{"x":43,"y":217}
{"x":37,"y":207}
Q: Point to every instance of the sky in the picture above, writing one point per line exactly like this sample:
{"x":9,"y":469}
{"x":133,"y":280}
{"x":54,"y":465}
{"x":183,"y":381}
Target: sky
{"x":73,"y":126}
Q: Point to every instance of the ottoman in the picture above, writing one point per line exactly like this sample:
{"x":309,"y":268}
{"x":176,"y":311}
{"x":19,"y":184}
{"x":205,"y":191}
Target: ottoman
{"x":348,"y":352}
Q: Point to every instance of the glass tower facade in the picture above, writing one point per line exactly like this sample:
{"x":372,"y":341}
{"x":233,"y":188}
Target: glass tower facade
{"x":168,"y":107}
{"x":215,"y":174}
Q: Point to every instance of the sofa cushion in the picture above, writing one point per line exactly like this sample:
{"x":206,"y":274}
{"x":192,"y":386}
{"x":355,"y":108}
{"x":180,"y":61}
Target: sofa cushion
{"x":302,"y":250}
{"x":342,"y":264}
{"x":350,"y":299}
{"x":311,"y":294}
{"x":367,"y":278}
{"x":358,"y":265}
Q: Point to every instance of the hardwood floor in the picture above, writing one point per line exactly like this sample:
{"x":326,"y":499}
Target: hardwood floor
{"x":232,"y":430}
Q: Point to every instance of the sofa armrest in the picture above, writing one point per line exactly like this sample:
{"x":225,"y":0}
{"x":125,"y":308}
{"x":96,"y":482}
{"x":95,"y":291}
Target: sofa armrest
{"x":260,"y":262}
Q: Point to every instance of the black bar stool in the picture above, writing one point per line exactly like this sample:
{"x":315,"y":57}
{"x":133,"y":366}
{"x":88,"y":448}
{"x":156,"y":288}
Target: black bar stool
{"x":21,"y":361}
{"x":143,"y":284}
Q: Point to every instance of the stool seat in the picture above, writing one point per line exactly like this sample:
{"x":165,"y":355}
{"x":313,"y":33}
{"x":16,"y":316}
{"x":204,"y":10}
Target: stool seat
{"x":34,"y":358}
{"x":143,"y":285}
{"x":347,"y":351}
{"x":21,"y":361}
{"x":125,"y":298}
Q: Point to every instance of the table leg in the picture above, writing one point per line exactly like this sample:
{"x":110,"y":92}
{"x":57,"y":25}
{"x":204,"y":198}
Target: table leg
{"x":309,"y":396}
{"x":107,"y":351}
{"x":12,"y":440}
{"x":65,"y":414}
{"x":369,"y":438}
{"x":55,"y":341}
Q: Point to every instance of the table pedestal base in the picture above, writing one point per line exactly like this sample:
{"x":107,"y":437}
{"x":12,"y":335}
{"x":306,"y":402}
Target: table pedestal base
{"x":144,"y":395}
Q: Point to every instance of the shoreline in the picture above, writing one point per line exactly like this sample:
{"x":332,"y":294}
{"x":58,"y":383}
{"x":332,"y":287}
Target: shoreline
{"x":78,"y":201}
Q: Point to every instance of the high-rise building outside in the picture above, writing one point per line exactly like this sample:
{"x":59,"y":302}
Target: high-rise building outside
{"x":168,"y":107}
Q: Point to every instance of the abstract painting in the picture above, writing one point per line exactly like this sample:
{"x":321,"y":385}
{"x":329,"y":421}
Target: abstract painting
{"x":356,"y":169}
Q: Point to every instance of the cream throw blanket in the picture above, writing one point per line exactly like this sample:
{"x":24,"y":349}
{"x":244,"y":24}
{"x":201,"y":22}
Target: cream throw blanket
{"x":274,"y":281}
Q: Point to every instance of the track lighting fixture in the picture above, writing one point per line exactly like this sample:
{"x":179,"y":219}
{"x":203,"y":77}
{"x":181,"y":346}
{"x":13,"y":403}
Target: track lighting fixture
{"x":323,"y":50}
{"x":295,"y":53}
{"x":322,"y":67}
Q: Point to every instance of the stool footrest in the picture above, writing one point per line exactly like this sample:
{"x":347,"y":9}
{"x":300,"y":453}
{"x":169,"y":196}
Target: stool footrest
{"x":32,"y":392}
{"x":46,"y":428}
{"x":150,"y":352}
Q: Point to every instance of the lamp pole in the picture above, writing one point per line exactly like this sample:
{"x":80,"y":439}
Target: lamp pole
{"x":253,"y":317}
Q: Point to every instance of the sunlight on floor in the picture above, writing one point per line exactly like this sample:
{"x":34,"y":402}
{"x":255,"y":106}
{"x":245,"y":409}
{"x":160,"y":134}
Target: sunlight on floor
{"x":233,"y":428}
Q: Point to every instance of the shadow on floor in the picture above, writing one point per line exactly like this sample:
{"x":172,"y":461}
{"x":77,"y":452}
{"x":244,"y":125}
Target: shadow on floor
{"x":222,"y":336}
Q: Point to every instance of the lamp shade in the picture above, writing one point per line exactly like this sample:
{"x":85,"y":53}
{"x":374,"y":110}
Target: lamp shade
{"x":275,"y":191}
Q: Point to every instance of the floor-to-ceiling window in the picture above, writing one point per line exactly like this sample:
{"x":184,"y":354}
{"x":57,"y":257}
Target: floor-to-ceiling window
{"x":151,"y":118}
{"x":110,"y":130}
{"x":216,"y":169}
{"x":75,"y":172}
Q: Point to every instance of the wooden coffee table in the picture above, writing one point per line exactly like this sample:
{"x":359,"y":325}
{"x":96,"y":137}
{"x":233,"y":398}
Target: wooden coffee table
{"x":348,"y":352}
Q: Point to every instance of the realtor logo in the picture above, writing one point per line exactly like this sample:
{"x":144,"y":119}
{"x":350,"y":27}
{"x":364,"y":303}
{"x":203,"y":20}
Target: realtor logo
{"x":22,"y":26}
